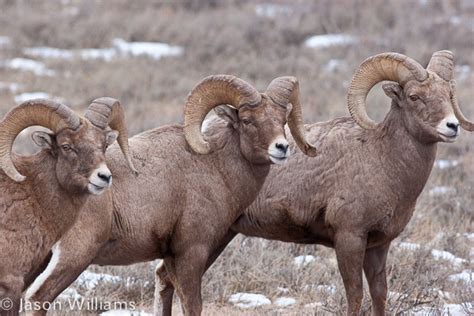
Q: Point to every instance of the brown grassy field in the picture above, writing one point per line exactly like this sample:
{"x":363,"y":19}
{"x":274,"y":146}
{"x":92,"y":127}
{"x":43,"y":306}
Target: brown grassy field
{"x":259,"y":41}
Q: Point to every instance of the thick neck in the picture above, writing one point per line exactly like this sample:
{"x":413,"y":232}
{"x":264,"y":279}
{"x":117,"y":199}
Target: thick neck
{"x":404,"y":155}
{"x":243,"y":178}
{"x":56,"y":208}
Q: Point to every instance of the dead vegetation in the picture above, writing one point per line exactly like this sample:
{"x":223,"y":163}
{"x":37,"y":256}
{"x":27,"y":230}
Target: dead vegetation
{"x":230,"y":37}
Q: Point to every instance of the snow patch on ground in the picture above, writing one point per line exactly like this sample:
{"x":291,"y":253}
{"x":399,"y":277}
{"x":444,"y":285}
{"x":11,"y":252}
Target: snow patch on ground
{"x":90,"y":279}
{"x":249,"y":300}
{"x":11,"y":87}
{"x":314,"y":305}
{"x":20,"y":98}
{"x":155,"y":50}
{"x":435,"y":253}
{"x":285,"y":301}
{"x":70,"y":293}
{"x":304,"y":260}
{"x":5,"y":41}
{"x":466,"y":276}
{"x":120,"y":47}
{"x":23,"y":64}
{"x":328,"y":40}
{"x":446,"y":164}
{"x":442,"y":190}
{"x":334,"y":65}
{"x":124,"y":312}
{"x":272,"y":10}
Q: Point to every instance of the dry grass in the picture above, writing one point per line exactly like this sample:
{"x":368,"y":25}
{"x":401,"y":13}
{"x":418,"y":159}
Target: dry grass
{"x":228,"y":37}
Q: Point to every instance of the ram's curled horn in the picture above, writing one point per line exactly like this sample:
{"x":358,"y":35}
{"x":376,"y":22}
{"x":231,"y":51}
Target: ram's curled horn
{"x":52,"y":115}
{"x":213,"y":91}
{"x":442,"y":63}
{"x":465,"y":123}
{"x":284,"y":90}
{"x":103,"y":112}
{"x":386,"y":66}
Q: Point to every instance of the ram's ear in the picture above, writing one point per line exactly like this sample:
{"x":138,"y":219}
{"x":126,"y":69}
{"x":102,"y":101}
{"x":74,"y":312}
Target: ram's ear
{"x":43,"y":139}
{"x":394,"y":91}
{"x":111,"y":137}
{"x":229,"y":114}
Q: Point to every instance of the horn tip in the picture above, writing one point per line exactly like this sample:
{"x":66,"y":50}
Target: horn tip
{"x":310,"y":150}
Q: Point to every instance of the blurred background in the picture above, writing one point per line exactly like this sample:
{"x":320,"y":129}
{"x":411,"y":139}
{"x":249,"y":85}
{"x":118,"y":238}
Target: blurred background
{"x":149,"y":55}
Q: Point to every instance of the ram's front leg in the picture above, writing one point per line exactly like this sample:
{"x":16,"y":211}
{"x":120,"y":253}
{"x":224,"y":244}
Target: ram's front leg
{"x":10,"y":295}
{"x":164,"y":289}
{"x":350,"y":249}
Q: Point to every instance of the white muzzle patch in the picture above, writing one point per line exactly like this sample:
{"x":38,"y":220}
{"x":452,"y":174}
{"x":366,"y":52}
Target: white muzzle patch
{"x":449,"y":128}
{"x":100,"y":180}
{"x":279,"y":150}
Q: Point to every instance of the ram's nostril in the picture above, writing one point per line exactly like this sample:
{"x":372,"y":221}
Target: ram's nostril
{"x":104,"y":176}
{"x":282,"y":147}
{"x":453,"y":126}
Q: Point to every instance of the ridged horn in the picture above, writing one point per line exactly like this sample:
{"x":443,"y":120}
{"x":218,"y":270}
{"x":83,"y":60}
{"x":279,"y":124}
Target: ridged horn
{"x":210,"y":92}
{"x":442,"y":63}
{"x":103,"y":112}
{"x":284,"y":90}
{"x":52,"y":115}
{"x":465,"y":123}
{"x":386,"y":66}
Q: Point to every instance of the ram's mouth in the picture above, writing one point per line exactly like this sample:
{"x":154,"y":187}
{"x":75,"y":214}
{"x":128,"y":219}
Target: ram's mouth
{"x":448,"y":138}
{"x":278,"y":159}
{"x":96,"y":189}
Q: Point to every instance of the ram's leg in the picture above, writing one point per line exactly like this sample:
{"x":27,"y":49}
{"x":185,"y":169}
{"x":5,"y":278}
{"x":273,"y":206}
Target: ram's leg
{"x":374,"y":268}
{"x":164,"y":289}
{"x":350,"y":248}
{"x":10,"y":295}
{"x":71,"y":256}
{"x":186,"y":271}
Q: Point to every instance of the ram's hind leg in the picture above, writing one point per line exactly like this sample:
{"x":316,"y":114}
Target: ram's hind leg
{"x":374,"y":268}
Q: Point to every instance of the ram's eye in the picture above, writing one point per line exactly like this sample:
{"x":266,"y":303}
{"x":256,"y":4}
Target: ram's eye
{"x":246,"y":121}
{"x":414,"y":97}
{"x":66,"y":147}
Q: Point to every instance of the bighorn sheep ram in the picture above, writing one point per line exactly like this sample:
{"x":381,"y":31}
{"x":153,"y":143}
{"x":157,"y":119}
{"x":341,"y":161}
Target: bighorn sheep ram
{"x":184,"y":203}
{"x":359,"y":193}
{"x":42,"y":194}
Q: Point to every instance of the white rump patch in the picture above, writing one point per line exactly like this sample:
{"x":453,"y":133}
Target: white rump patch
{"x":39,"y":281}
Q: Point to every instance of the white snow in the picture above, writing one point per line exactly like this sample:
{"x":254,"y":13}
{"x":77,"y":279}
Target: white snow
{"x":70,"y":293}
{"x":155,"y":50}
{"x":20,"y":98}
{"x":462,"y":72}
{"x":271,"y":10}
{"x":90,"y":279}
{"x":283,"y":290}
{"x":38,"y":68}
{"x":445,"y":163}
{"x":409,"y":246}
{"x":448,"y":309}
{"x":5,"y":41}
{"x":446,"y":255}
{"x":11,"y":87}
{"x":124,"y":312}
{"x":304,"y":260}
{"x":334,"y":65}
{"x":466,"y":276}
{"x":284,"y":301}
{"x":435,"y":253}
{"x":120,"y":47}
{"x":106,"y":54}
{"x":328,"y":40}
{"x":249,"y":300}
{"x":48,"y":52}
{"x":442,"y":190}
{"x":314,"y":305}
